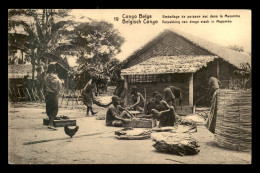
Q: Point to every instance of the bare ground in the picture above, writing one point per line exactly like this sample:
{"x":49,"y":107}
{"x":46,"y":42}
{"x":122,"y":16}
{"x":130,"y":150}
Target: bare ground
{"x":30,"y":142}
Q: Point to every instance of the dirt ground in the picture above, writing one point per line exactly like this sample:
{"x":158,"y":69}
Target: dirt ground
{"x":30,"y":142}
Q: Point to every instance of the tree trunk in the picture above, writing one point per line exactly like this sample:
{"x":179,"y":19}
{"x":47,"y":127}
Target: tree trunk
{"x":39,"y":77}
{"x":33,"y":67}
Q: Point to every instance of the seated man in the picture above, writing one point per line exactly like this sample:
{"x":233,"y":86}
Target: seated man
{"x":116,"y":115}
{"x":138,"y":100}
{"x":164,"y":113}
{"x":150,"y":105}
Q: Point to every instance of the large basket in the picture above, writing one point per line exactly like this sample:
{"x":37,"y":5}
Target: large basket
{"x":233,"y":124}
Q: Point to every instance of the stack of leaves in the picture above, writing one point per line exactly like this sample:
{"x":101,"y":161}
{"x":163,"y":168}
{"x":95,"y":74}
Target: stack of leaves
{"x":62,"y":117}
{"x":164,"y":129}
{"x":191,"y":120}
{"x":176,"y":129}
{"x":203,"y":114}
{"x":133,"y":134}
{"x":175,"y":143}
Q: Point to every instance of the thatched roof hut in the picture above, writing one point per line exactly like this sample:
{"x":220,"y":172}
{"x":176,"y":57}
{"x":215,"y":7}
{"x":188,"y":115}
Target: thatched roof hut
{"x":177,"y":58}
{"x":19,"y":71}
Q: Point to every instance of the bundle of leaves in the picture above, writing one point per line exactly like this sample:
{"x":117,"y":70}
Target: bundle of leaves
{"x":133,"y":134}
{"x":176,"y":143}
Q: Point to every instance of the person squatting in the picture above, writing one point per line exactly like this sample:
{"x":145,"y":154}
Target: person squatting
{"x":156,"y":108}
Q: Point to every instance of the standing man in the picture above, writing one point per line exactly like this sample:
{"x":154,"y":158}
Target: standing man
{"x":172,"y":93}
{"x":51,"y":87}
{"x":164,"y":112}
{"x":151,"y":104}
{"x":87,"y":95}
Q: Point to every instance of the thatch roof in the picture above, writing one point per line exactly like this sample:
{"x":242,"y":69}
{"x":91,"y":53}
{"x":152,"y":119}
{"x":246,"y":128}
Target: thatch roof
{"x":169,"y":64}
{"x":233,"y":57}
{"x":19,"y":70}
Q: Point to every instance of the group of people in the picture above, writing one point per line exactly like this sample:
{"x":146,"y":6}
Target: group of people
{"x":158,"y":107}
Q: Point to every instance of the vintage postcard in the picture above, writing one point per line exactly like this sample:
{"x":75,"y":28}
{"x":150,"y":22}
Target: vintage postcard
{"x":129,"y":86}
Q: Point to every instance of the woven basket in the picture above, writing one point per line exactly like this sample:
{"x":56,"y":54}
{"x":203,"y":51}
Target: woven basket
{"x":233,"y":124}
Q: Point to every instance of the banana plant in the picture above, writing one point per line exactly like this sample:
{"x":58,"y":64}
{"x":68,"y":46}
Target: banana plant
{"x":41,"y":37}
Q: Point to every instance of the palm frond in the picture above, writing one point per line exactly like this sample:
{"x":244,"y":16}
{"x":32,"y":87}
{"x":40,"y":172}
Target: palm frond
{"x":39,"y":30}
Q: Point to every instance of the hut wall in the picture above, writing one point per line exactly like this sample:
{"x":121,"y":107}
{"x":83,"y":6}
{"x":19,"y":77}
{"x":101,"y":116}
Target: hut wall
{"x":178,"y":80}
{"x":170,"y":45}
{"x":200,"y":84}
{"x":202,"y":76}
{"x":15,"y":82}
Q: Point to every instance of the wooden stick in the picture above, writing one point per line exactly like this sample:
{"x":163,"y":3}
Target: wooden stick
{"x":78,"y":136}
{"x":175,"y":160}
{"x":16,"y":97}
{"x":42,"y":95}
{"x":129,"y":113}
{"x":62,"y":96}
{"x":19,"y":94}
{"x":76,"y":98}
{"x":69,"y":98}
{"x":28,"y":94}
{"x":144,"y":100}
{"x":33,"y":95}
{"x":34,"y":92}
{"x":11,"y":94}
{"x":24,"y":93}
{"x":72,"y":98}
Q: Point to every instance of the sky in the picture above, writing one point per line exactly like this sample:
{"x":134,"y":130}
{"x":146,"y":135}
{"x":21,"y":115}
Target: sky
{"x":238,"y":32}
{"x":136,"y":35}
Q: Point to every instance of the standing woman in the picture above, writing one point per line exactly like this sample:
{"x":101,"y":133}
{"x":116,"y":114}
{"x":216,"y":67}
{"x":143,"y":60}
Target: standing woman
{"x":51,"y":87}
{"x":87,"y":96}
{"x":213,"y":85}
{"x":214,"y":91}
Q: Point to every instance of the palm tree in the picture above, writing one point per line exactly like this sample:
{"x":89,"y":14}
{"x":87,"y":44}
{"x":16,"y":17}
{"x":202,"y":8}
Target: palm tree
{"x":39,"y":35}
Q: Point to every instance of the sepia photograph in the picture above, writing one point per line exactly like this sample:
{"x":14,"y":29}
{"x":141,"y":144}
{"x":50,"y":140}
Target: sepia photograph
{"x":129,"y":86}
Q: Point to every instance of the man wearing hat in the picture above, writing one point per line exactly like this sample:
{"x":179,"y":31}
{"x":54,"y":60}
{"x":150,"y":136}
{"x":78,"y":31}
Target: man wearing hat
{"x":116,"y":115}
{"x":51,"y":86}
